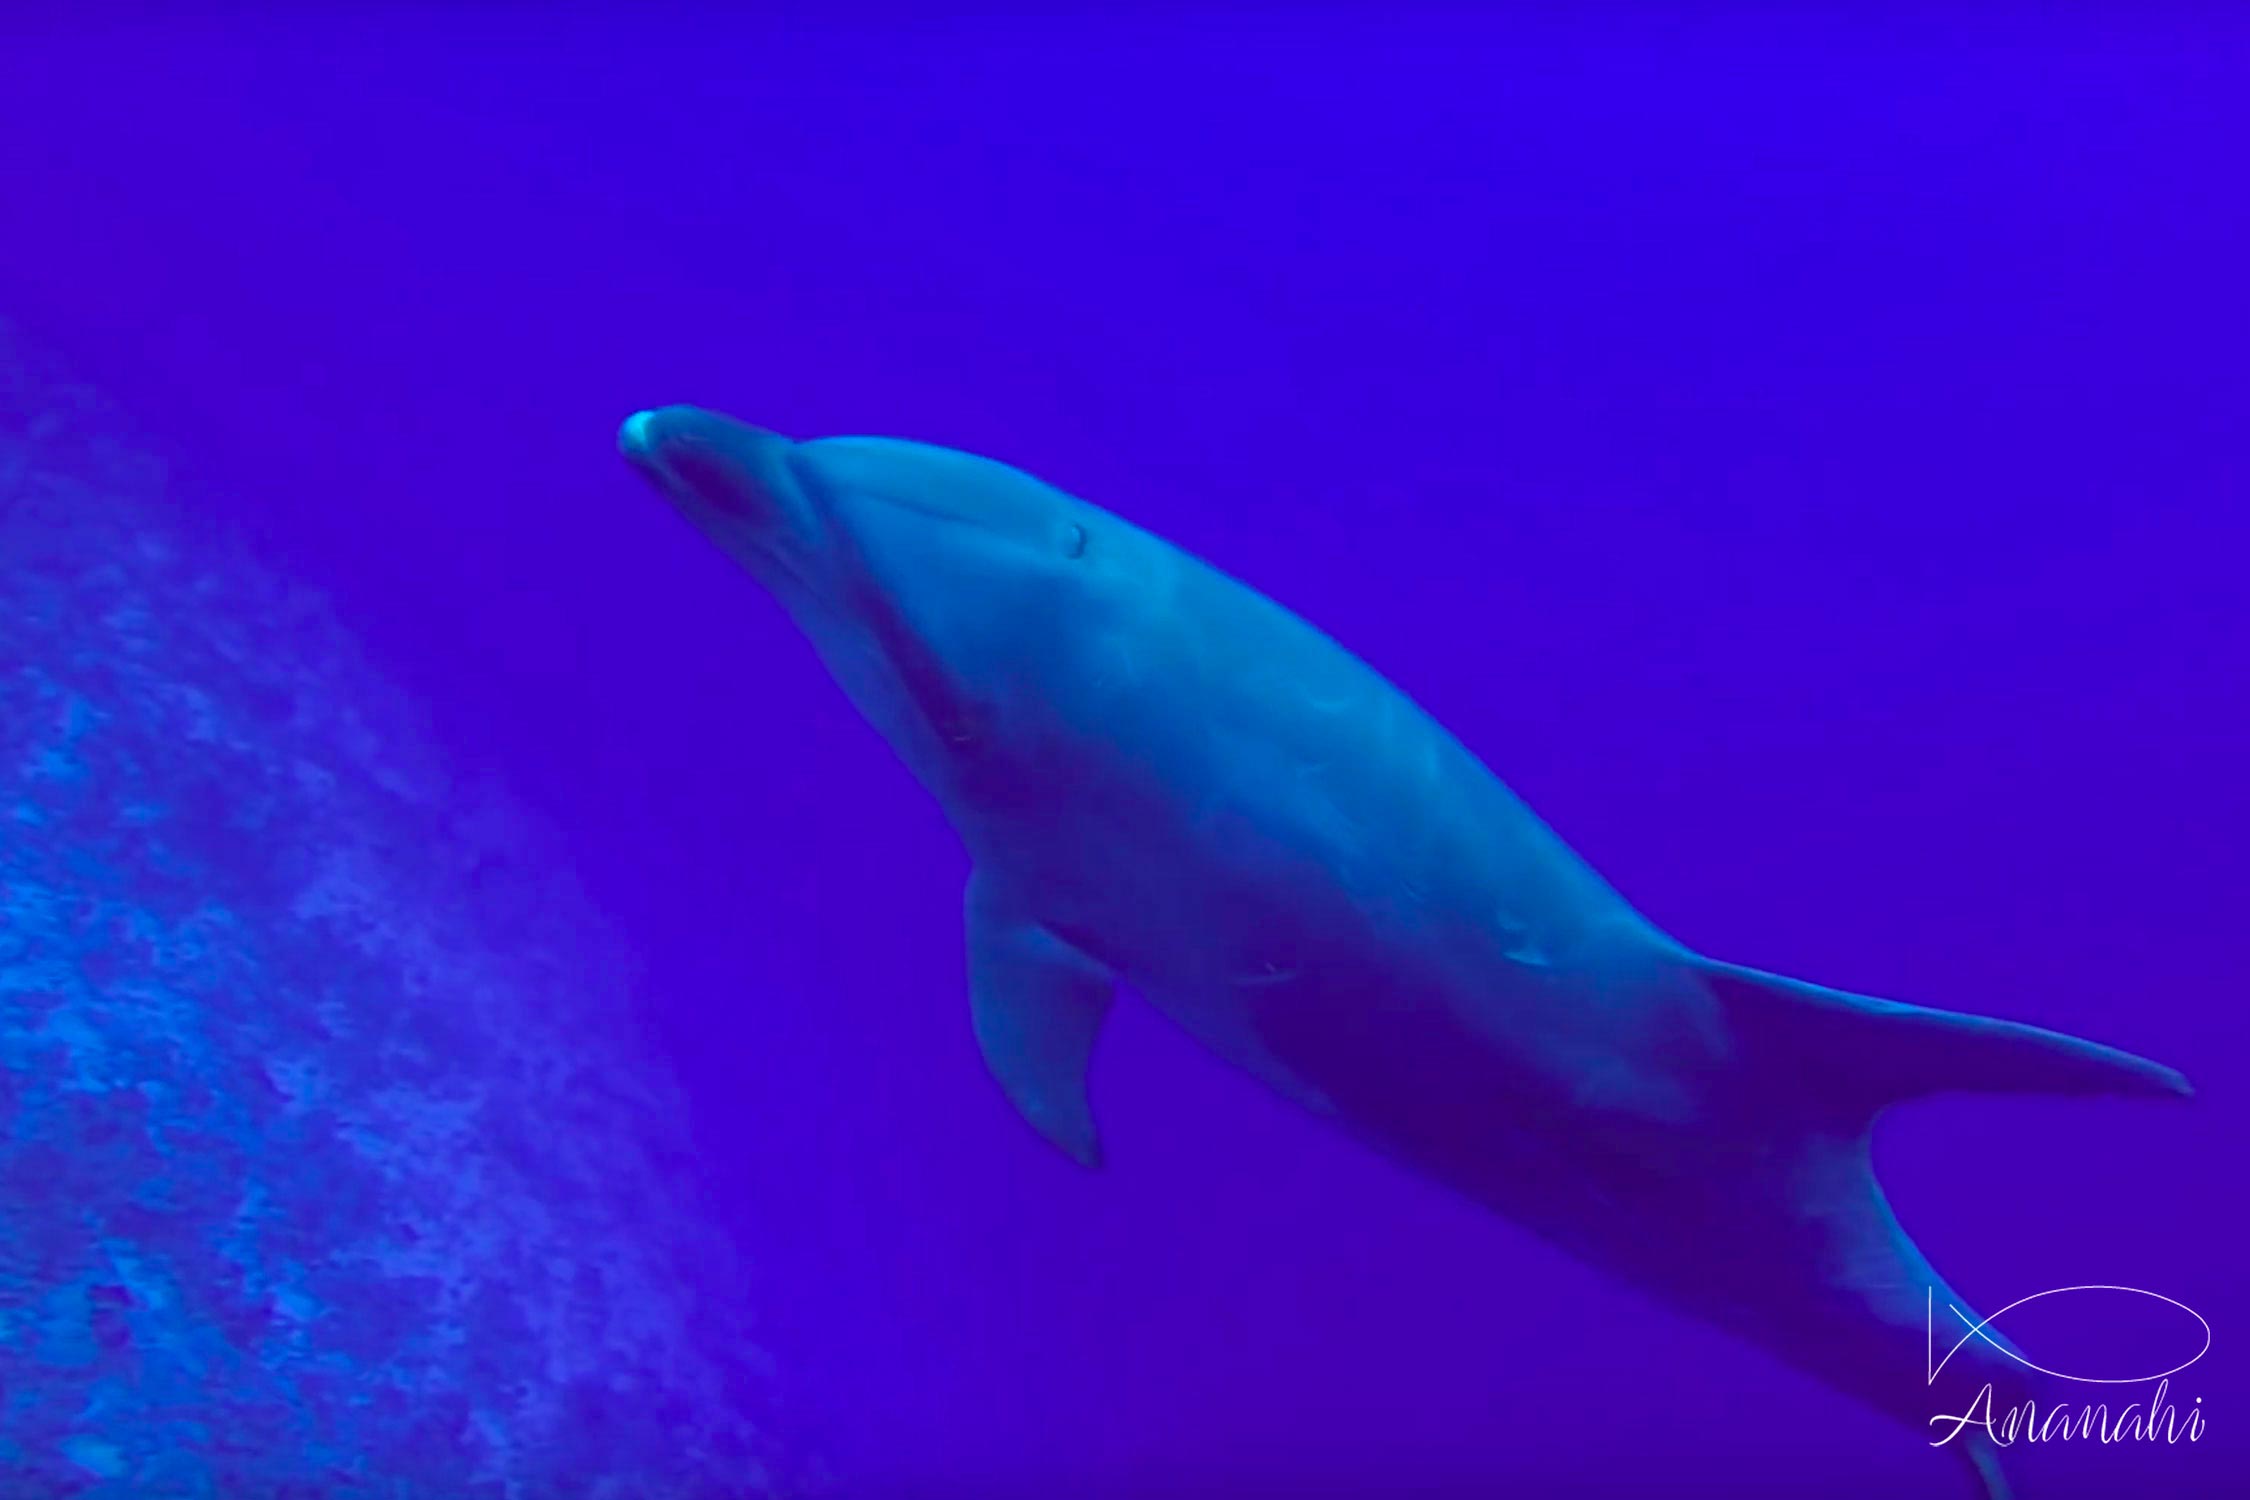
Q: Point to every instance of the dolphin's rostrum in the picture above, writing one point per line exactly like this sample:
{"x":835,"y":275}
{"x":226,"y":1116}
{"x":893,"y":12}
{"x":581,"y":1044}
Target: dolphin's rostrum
{"x":1168,"y":781}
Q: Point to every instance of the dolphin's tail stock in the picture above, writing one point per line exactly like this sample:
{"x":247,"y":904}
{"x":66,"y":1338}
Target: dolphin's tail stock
{"x":1880,"y":1321}
{"x":1836,"y":1288}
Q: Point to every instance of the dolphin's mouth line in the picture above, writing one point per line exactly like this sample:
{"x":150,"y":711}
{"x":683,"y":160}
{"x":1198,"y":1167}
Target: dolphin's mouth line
{"x":784,"y":565}
{"x":795,"y":512}
{"x":788,"y":568}
{"x":759,"y":526}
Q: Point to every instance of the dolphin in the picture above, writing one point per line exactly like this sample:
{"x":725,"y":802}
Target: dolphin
{"x":1169,"y":782}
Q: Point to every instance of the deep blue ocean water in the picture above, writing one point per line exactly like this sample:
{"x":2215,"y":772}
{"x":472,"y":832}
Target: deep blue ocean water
{"x":1804,"y":456}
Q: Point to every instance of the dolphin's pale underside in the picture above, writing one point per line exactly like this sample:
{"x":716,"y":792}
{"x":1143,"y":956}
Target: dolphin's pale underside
{"x":1167,"y":781}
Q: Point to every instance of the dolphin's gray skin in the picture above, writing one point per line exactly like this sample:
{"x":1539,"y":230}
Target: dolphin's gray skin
{"x":1167,"y":780}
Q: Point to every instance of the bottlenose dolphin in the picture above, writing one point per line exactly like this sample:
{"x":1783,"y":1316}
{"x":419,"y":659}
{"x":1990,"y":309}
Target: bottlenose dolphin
{"x":1166,"y":780}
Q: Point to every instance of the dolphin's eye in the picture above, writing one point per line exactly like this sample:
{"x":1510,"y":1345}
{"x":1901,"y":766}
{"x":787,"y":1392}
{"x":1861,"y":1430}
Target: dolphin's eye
{"x":1074,"y":540}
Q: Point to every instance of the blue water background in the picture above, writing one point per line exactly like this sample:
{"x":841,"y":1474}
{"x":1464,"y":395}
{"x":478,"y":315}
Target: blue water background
{"x":1805,"y":457}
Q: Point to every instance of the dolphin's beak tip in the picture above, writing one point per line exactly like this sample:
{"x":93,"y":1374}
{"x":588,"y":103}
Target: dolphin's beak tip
{"x":638,"y":435}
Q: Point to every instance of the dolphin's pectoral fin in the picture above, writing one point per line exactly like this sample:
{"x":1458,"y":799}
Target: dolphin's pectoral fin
{"x":1037,"y":1004}
{"x":1857,"y":1054}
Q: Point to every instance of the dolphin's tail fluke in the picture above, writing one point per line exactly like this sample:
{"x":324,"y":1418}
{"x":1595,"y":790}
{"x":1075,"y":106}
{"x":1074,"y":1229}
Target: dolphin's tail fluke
{"x":1857,"y":1054}
{"x":1812,"y":1067}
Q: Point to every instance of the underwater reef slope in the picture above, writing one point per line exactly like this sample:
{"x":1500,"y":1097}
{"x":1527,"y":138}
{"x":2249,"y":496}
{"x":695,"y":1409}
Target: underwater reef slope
{"x":328,"y":1164}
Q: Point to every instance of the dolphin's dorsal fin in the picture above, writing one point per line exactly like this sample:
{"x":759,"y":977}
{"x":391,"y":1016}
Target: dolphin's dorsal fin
{"x":1037,"y":1004}
{"x":1856,"y":1054}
